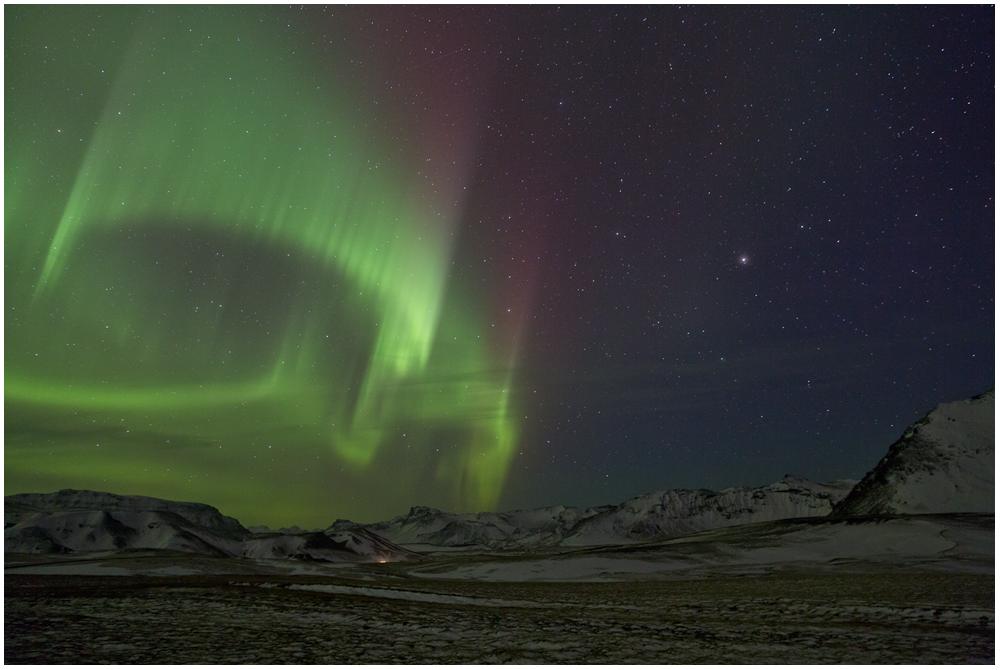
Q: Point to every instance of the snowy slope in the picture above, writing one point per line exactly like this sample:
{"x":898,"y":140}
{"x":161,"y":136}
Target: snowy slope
{"x":656,"y":515}
{"x":944,"y":463}
{"x":956,"y":543}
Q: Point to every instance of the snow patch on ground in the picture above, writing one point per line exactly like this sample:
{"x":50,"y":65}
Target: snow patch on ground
{"x":71,"y":568}
{"x":417,"y":596}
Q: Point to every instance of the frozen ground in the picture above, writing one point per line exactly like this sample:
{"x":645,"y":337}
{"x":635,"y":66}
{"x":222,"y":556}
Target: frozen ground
{"x":952,"y":543}
{"x":899,"y":618}
{"x":893,"y":590}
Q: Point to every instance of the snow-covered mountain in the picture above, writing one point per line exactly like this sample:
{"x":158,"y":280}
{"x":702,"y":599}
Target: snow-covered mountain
{"x":656,"y":515}
{"x":79,"y":521}
{"x":944,"y":463}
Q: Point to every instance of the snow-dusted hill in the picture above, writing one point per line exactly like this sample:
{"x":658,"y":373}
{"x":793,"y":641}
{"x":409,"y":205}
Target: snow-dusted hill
{"x":198,"y":514}
{"x":655,"y":515}
{"x":942,"y":464}
{"x":81,"y":521}
{"x":71,"y":520}
{"x":64,"y":531}
{"x":343,"y":541}
{"x":682,"y":512}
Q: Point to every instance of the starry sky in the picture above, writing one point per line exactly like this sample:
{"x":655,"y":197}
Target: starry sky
{"x":313,"y":263}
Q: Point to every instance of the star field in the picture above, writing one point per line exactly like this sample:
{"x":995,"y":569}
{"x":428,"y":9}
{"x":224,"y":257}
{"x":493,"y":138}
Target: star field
{"x":317,"y":263}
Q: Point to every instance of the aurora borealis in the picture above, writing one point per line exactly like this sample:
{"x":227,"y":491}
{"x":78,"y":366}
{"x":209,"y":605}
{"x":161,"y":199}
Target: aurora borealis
{"x":243,"y":261}
{"x":311,"y":263}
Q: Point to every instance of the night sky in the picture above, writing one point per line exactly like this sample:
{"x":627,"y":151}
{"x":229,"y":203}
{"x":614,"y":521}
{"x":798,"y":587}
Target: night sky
{"x":320,"y":263}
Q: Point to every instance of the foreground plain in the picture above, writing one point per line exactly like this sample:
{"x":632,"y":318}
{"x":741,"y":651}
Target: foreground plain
{"x":381,"y":614}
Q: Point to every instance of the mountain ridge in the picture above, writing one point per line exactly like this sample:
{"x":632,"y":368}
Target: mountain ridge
{"x":660,"y":514}
{"x":943,"y":463}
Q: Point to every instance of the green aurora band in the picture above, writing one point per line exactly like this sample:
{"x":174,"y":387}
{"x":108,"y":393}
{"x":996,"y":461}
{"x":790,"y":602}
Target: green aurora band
{"x":243,"y":262}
